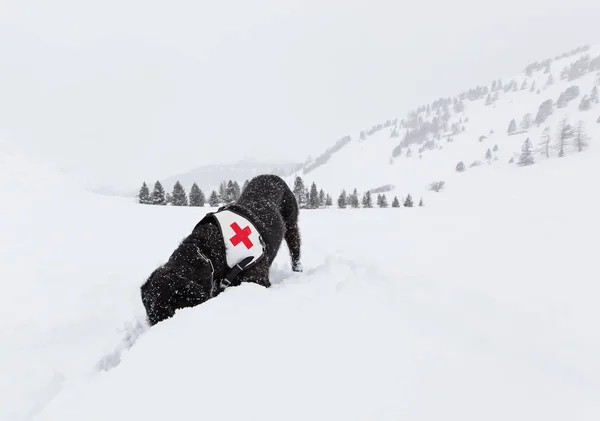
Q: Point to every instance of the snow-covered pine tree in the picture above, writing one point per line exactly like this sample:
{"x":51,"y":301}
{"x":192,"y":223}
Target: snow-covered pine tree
{"x":237,"y":191}
{"x":300,"y":192}
{"x":526,"y":122}
{"x":158,"y":195}
{"x":321,"y":198}
{"x":544,"y":111}
{"x":581,"y":139}
{"x":313,"y":198}
{"x":594,"y":95}
{"x":367,"y":201}
{"x":230,"y":192}
{"x":328,"y":200}
{"x":565,"y":132}
{"x":545,"y":143}
{"x":526,"y":157}
{"x":353,"y":199}
{"x":421,"y":202}
{"x":488,"y":154}
{"x":179,"y":195}
{"x":585,"y":103}
{"x":246,"y":185}
{"x":144,"y":194}
{"x":197,"y":196}
{"x":512,"y":126}
{"x":460,"y":167}
{"x":223,"y":192}
{"x":169,"y":198}
{"x":495,"y":148}
{"x":383,"y":203}
{"x":395,"y":202}
{"x":213,"y":200}
{"x":342,"y":201}
{"x":408,"y":202}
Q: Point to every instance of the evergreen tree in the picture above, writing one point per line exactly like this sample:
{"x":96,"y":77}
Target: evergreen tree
{"x":581,"y":139}
{"x":395,"y":202}
{"x":565,"y":132}
{"x":382,"y":202}
{"x":213,"y":200}
{"x":328,"y":200}
{"x":544,"y":111}
{"x":353,"y":199}
{"x":585,"y":103}
{"x":460,"y":167}
{"x":169,"y":198}
{"x":179,"y":195}
{"x":223,"y":192}
{"x":545,"y":143}
{"x":342,"y":200}
{"x":496,"y":148}
{"x":367,"y":201}
{"x":526,"y":122}
{"x":488,"y":154}
{"x":408,"y":203}
{"x":594,"y":95}
{"x":313,"y":198}
{"x":526,"y":157}
{"x":158,"y":195}
{"x":144,"y":195}
{"x":321,"y":198}
{"x":196,"y":196}
{"x":237,"y":191}
{"x":300,"y":192}
{"x":421,"y":202}
{"x":512,"y":126}
{"x":246,"y":185}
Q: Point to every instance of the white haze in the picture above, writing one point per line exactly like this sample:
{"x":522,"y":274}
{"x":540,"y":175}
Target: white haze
{"x":119,"y":91}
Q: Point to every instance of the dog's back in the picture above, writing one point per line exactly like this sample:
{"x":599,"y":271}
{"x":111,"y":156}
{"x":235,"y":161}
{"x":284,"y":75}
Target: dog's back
{"x":273,"y":203}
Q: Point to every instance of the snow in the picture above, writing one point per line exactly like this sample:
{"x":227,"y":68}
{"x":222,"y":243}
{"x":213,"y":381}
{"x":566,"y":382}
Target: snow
{"x":368,"y":164}
{"x":480,"y":305}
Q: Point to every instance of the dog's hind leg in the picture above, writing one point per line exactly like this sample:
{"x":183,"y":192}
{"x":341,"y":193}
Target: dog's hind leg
{"x":289,"y":212}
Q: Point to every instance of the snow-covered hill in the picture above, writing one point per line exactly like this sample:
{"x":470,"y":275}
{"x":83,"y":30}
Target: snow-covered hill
{"x":410,"y":152}
{"x":209,"y":177}
{"x":480,"y":305}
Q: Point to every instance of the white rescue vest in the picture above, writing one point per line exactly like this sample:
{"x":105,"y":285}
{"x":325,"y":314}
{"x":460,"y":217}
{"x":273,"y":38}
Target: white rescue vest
{"x":241,"y":238}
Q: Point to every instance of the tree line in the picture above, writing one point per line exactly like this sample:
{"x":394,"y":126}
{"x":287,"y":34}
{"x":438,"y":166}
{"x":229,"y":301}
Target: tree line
{"x":315,"y":198}
{"x":230,"y":191}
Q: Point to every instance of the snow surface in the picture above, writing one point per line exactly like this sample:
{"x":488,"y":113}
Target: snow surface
{"x":480,"y":305}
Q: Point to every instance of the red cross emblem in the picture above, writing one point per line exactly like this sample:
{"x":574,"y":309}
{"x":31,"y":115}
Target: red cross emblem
{"x":241,"y":235}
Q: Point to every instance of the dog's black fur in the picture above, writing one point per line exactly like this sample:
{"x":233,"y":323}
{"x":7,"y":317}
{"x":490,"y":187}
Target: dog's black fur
{"x":185,"y":279}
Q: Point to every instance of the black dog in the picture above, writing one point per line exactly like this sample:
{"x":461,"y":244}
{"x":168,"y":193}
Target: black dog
{"x":207,"y":261}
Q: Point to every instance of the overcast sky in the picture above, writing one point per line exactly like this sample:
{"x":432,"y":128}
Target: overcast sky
{"x":118,"y":91}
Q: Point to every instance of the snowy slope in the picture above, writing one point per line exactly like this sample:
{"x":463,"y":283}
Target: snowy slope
{"x":369,"y":163}
{"x":481,"y":305}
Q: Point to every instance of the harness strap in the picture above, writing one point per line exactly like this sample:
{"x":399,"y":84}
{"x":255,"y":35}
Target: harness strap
{"x":227,"y":282}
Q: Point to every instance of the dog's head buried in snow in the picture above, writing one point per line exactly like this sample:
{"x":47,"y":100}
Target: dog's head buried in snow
{"x":236,"y":244}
